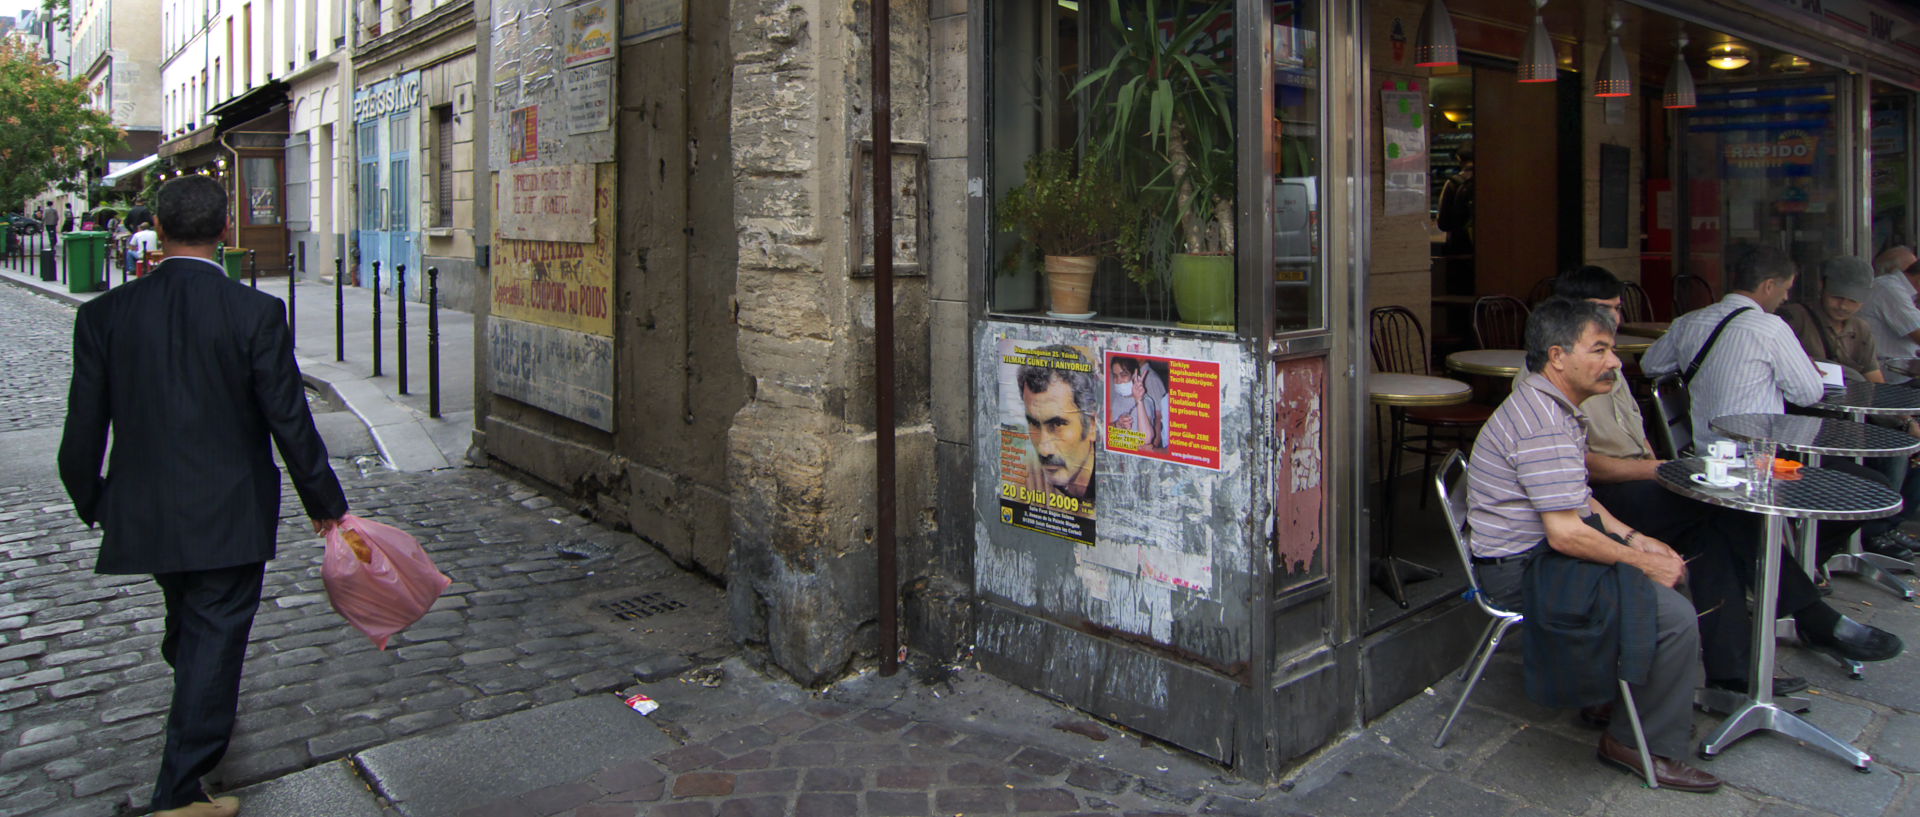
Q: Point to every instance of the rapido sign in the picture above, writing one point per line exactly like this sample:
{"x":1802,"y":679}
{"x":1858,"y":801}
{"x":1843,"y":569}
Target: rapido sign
{"x":386,"y":96}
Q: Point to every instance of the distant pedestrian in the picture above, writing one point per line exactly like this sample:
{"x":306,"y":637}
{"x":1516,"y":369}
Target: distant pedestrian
{"x":193,"y":375}
{"x":139,"y":216}
{"x":66,"y":223}
{"x":50,"y":218}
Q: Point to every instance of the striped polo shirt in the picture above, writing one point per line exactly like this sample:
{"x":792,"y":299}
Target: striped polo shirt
{"x":1530,"y":458}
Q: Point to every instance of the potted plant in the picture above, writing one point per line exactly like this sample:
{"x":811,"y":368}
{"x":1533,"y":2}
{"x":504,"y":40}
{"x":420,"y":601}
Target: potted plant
{"x":1163,"y":115}
{"x":1072,"y":212}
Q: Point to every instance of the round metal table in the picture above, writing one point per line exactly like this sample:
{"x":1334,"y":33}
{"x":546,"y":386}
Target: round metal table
{"x":1818,"y":493}
{"x":1631,"y":344}
{"x":1489,"y":362}
{"x":1862,"y":398}
{"x":1400,"y":392}
{"x":1902,"y":366}
{"x":1649,"y":329}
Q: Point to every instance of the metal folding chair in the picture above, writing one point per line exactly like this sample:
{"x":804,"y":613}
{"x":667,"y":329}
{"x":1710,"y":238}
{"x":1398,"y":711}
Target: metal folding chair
{"x":1450,"y":484}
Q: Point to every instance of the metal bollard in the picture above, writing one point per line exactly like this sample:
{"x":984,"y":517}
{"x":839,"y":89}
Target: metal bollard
{"x":293,"y":336}
{"x":433,"y":342}
{"x":400,"y":322}
{"x":253,"y":267}
{"x":59,"y":257}
{"x":339,"y":310}
{"x":376,"y":319}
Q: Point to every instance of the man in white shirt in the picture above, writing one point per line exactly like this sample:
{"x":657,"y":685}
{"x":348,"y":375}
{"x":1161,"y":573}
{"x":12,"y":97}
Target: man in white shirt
{"x":140,"y":244}
{"x":1756,"y":365}
{"x":1890,"y":311}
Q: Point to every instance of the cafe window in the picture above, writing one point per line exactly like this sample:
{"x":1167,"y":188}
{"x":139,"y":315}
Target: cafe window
{"x":1117,"y":141}
{"x":1893,"y":170}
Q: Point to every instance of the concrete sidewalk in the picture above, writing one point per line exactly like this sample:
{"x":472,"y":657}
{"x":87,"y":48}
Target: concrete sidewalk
{"x":406,"y":436}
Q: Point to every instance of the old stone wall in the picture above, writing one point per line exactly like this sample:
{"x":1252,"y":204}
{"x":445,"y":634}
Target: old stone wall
{"x":801,"y":574}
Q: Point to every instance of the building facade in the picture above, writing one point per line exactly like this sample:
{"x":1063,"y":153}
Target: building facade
{"x":116,"y":50}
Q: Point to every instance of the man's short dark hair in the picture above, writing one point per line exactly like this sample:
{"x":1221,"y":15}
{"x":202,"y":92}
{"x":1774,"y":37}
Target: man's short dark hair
{"x":1754,"y":264}
{"x":1086,"y":390}
{"x":1588,"y":283}
{"x":193,"y":208}
{"x":1559,"y":322}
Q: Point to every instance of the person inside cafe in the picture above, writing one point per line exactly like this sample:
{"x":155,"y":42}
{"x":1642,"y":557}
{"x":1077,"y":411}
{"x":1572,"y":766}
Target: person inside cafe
{"x":1718,"y":543}
{"x":1832,"y":332}
{"x":1598,"y":595}
{"x":1890,"y":310}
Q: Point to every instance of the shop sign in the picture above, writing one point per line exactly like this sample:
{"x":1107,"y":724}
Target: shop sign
{"x":381,"y":98}
{"x":1049,"y":430}
{"x":1794,"y":147}
{"x":1163,"y":408}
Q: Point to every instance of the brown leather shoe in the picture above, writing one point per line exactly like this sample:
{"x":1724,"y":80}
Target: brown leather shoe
{"x":1672,"y":774}
{"x":218,"y":807}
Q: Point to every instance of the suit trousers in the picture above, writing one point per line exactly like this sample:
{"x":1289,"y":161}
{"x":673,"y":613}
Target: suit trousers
{"x":1666,"y":699}
{"x":209,"y":616}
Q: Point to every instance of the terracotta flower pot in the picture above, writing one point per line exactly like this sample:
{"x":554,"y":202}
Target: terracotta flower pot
{"x":1070,"y":282}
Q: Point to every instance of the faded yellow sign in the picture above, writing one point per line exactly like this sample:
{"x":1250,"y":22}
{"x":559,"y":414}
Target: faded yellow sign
{"x":569,"y":285}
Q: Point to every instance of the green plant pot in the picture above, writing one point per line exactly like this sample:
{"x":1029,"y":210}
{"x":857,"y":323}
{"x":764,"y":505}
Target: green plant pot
{"x":1203,"y":291}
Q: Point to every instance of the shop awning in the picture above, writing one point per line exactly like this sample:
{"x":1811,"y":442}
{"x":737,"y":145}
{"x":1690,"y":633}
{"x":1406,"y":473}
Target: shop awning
{"x":112,"y":179}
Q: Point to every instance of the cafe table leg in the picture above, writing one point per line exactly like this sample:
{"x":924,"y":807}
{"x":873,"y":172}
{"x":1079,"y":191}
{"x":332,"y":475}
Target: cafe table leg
{"x":1387,"y":567}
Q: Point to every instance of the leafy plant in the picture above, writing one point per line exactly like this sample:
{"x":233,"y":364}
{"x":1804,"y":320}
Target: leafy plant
{"x":1162,"y":116}
{"x":47,"y":131}
{"x":1066,"y":206}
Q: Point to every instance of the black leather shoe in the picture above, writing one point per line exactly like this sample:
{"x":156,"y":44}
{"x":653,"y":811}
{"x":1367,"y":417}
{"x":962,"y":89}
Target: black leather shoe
{"x":1782,"y":684}
{"x":1597,"y":716}
{"x":1856,"y":641}
{"x":1671,"y":774}
{"x":1887,"y":545}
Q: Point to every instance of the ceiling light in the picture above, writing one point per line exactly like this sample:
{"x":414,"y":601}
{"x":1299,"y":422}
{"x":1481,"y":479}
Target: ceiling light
{"x":1614,"y":79}
{"x":1456,"y":117}
{"x":1537,"y":57}
{"x":1729,"y":56}
{"x":1679,"y":92}
{"x":1436,"y":45}
{"x":1790,"y":64}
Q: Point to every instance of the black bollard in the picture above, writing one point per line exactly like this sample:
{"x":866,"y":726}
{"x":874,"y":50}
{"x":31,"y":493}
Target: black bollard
{"x":376,"y":319}
{"x":49,"y":271}
{"x":253,"y":267}
{"x":433,"y":342}
{"x":339,"y":311}
{"x":293,"y":337}
{"x":400,"y":322}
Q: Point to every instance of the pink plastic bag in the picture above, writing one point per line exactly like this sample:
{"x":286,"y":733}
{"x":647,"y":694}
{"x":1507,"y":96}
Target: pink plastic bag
{"x":378,"y":578}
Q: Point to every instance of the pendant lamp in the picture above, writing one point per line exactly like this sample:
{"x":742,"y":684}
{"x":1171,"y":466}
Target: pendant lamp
{"x":1679,"y":92}
{"x":1615,"y":78}
{"x":1537,"y":60}
{"x":1436,"y":45}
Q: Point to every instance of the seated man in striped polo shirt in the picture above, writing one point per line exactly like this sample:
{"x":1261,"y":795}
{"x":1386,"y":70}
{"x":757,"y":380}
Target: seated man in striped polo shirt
{"x":1599,"y":596}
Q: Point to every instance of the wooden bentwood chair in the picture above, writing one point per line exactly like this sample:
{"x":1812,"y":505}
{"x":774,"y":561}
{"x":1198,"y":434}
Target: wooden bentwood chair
{"x":1500,"y":322}
{"x":1450,"y":485}
{"x":1400,"y":346}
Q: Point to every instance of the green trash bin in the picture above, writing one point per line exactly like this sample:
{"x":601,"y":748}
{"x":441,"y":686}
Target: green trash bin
{"x":235,"y":261}
{"x":86,"y":260}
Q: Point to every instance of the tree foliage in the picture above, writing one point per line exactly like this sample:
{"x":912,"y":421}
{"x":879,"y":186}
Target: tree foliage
{"x":60,"y":12}
{"x":47,"y":131}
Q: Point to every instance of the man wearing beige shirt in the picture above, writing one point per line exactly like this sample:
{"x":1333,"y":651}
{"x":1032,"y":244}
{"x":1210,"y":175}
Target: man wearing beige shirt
{"x":1718,"y":543}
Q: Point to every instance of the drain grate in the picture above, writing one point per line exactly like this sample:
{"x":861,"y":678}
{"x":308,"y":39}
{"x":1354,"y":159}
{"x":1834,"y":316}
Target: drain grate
{"x":642,"y":606}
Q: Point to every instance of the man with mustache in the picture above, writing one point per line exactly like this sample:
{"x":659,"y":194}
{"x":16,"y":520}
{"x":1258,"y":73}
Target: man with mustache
{"x":1062,"y":407}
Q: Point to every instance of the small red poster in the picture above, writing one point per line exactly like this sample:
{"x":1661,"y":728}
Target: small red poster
{"x":1163,"y":408}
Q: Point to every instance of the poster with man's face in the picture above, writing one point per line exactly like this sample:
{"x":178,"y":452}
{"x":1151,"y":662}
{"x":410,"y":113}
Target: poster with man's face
{"x":1050,"y":410}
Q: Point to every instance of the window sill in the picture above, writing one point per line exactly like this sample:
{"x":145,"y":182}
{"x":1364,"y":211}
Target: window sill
{"x":439,"y":232}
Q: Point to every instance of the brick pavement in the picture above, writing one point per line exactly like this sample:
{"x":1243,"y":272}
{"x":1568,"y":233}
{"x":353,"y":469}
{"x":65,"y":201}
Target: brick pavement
{"x":34,"y":360}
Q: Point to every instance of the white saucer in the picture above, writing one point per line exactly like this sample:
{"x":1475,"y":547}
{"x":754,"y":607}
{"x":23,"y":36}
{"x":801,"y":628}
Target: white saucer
{"x":1072,"y":316}
{"x":1731,"y":482}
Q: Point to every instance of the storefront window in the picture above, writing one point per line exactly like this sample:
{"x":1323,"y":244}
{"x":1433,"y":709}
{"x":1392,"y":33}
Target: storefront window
{"x":262,"y":178}
{"x":1115,"y":159}
{"x":1892,"y":170}
{"x":1298,"y":278}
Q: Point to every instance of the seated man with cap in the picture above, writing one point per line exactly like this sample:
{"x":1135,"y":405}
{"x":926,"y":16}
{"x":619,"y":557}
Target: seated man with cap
{"x":1598,"y":596}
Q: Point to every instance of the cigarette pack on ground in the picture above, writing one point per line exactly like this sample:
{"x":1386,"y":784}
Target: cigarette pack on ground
{"x":643,"y":704}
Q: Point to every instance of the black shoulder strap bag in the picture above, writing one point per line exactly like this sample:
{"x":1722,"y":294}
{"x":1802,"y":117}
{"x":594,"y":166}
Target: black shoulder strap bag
{"x":1686,"y":378}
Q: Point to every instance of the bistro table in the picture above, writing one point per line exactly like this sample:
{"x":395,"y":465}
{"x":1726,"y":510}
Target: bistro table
{"x":1399,"y":392}
{"x":1489,"y":362}
{"x":1814,"y":437}
{"x":1650,"y":329}
{"x":1818,"y":493}
{"x":1858,"y":400}
{"x":1902,"y":366}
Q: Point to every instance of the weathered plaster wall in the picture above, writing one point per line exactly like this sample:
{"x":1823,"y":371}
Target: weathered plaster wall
{"x":800,"y":452}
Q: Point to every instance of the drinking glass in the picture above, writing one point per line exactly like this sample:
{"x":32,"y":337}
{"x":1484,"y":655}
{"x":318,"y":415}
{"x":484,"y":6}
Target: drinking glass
{"x":1760,"y":456}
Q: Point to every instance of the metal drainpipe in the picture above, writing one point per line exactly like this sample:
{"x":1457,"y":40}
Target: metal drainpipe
{"x":882,"y":56}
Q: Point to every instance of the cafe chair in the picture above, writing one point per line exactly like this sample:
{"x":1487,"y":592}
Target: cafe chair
{"x":1690,"y":292}
{"x":1399,"y":345}
{"x":1672,"y":427}
{"x":1542,"y":290}
{"x":1500,"y":322}
{"x":1634,"y":304}
{"x":1450,"y":484}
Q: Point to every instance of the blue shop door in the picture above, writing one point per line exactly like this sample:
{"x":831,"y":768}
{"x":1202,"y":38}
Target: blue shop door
{"x":403,"y":244}
{"x":371,"y":237}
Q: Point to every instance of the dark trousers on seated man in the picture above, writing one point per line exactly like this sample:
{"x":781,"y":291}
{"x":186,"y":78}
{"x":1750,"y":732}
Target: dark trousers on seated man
{"x":1665,"y":701}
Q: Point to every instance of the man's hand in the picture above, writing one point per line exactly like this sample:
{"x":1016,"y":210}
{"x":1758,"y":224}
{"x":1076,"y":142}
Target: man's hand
{"x":1666,"y":568}
{"x":325,"y":526}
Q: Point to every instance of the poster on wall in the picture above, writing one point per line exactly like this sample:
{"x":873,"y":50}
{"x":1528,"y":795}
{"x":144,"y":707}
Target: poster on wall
{"x":590,"y":32}
{"x":1163,"y":408}
{"x":589,"y":98}
{"x":523,"y":135}
{"x":553,"y":203}
{"x":552,"y":71}
{"x":1049,"y":431}
{"x":1403,"y":124}
{"x":567,"y":284}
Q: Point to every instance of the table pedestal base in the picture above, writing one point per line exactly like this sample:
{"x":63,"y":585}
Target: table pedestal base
{"x":1872,"y":567}
{"x":1392,"y":574}
{"x":1787,"y":629}
{"x":1753,"y":715}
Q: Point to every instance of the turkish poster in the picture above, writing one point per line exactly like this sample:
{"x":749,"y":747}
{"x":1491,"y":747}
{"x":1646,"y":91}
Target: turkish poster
{"x":589,"y":94}
{"x":590,"y":32}
{"x":1403,"y":124}
{"x":1163,"y":408}
{"x":551,"y":203}
{"x":523,"y":134}
{"x":558,"y":283}
{"x":1049,"y":430}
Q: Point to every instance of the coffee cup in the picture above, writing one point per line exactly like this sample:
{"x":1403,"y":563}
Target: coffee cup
{"x":1722,"y":450}
{"x":1717,"y":471}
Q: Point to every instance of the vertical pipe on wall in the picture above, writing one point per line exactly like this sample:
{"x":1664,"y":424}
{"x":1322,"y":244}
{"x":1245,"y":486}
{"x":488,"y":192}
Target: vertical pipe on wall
{"x":881,"y":57}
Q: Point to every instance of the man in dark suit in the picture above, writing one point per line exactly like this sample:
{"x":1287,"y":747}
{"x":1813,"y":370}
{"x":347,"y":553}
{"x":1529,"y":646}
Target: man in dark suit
{"x":193,"y":373}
